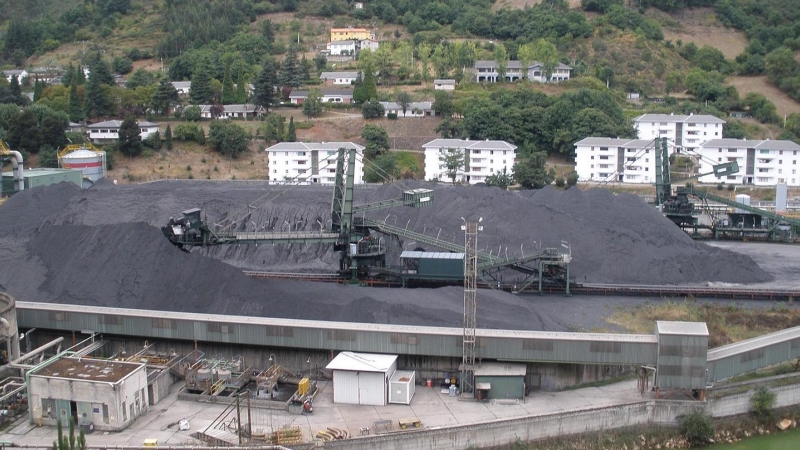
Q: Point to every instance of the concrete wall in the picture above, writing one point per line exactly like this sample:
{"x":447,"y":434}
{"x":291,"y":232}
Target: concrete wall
{"x":504,"y":432}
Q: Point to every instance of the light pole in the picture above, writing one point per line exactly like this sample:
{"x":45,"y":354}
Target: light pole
{"x":273,"y":358}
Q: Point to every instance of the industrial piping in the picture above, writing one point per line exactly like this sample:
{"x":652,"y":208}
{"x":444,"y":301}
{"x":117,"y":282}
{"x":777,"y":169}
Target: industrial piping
{"x":16,"y":163}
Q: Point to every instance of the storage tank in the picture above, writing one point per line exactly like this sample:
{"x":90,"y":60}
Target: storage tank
{"x":224,"y":374}
{"x":204,"y":374}
{"x":8,"y":326}
{"x":91,"y":161}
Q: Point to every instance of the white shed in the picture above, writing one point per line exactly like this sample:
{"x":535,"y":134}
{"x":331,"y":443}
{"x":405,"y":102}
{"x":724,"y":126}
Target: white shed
{"x":401,"y":387}
{"x":361,"y":378}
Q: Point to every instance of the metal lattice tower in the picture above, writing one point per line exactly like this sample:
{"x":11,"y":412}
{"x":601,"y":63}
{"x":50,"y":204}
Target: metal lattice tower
{"x":470,"y":305}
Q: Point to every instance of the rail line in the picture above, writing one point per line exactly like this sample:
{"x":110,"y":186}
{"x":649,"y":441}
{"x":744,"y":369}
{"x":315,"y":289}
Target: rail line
{"x":732,"y":293}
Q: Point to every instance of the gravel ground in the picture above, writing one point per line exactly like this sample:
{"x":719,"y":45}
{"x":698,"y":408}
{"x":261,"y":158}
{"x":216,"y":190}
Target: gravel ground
{"x":102,"y":247}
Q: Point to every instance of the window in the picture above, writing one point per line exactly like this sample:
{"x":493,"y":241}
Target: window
{"x":603,"y":148}
{"x":274,"y":170}
{"x":158,"y":322}
{"x":476,"y":152}
{"x":504,"y":153}
{"x":780,"y":152}
{"x":731,"y":150}
{"x":592,"y":166}
{"x":124,"y":413}
{"x":592,"y":156}
{"x":491,"y":152}
{"x":719,"y":159}
{"x":763,"y":152}
{"x":604,"y":157}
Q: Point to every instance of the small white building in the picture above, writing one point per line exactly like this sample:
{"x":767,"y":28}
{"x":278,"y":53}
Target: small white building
{"x":370,"y":44}
{"x":342,"y":48}
{"x":685,"y":132}
{"x":182,"y":87}
{"x":444,"y":85}
{"x":246,"y":111}
{"x":106,"y":395}
{"x":482,"y":159}
{"x":338,"y":78}
{"x":362,"y":378}
{"x":414,"y":109}
{"x":326,"y":96}
{"x":310,"y":162}
{"x":616,"y":160}
{"x":761,"y":163}
{"x":20,"y":74}
{"x":108,"y":131}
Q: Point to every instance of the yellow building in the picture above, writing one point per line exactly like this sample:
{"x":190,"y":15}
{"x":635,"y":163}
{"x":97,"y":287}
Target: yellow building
{"x":344,"y":34}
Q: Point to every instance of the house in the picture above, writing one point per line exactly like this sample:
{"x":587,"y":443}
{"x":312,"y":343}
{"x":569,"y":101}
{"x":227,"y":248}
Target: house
{"x":481,"y":159}
{"x":684,"y":132}
{"x":102,"y":395}
{"x":182,"y":87}
{"x":338,"y":78}
{"x":328,"y":96}
{"x":444,"y":85}
{"x":246,"y":111}
{"x":344,"y":34}
{"x":486,"y":71}
{"x":414,"y":109}
{"x":761,"y":163}
{"x":309,"y":162}
{"x":108,"y":131}
{"x":20,"y":74}
{"x":342,"y":48}
{"x":46,"y":74}
{"x":364,"y":44}
{"x":617,"y":160}
{"x":74,"y":127}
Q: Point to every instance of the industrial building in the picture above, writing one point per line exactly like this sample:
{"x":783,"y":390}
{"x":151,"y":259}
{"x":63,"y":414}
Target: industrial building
{"x":684,"y":132}
{"x":761,"y":163}
{"x":309,"y":162}
{"x":99,"y":394}
{"x":616,"y":160}
{"x":43,"y":177}
{"x":481,"y":159}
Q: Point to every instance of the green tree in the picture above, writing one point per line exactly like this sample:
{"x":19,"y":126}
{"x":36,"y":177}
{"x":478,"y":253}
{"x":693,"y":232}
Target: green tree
{"x":697,"y":427}
{"x":290,"y":73}
{"x":376,"y":140}
{"x":291,"y":133}
{"x":97,"y":104}
{"x":531,"y":171}
{"x":443,"y":104}
{"x":452,"y":160}
{"x":268,"y":31}
{"x":192,"y":113}
{"x":241,"y":88}
{"x":130,"y":141}
{"x":122,"y":64}
{"x":500,"y":179}
{"x":404,"y":100}
{"x":200,"y":90}
{"x":38,"y":87}
{"x":24,"y":133}
{"x":168,"y":137}
{"x":48,"y":157}
{"x":101,"y":71}
{"x":141,"y":77}
{"x":501,"y":60}
{"x":228,"y":89}
{"x":70,"y":442}
{"x":228,"y":138}
{"x":312,"y":106}
{"x":540,"y":51}
{"x":359,"y":93}
{"x":53,"y":131}
{"x":370,"y":88}
{"x":164,"y":96}
{"x":274,"y":128}
{"x":75,"y":110}
{"x":320,"y":62}
{"x":264,"y":84}
{"x":762,"y":402}
{"x":424,"y":54}
{"x":372,"y":110}
{"x":382,"y":169}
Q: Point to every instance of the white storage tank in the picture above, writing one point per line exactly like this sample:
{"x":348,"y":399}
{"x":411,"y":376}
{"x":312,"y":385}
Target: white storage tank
{"x":224,"y":374}
{"x":90,"y":160}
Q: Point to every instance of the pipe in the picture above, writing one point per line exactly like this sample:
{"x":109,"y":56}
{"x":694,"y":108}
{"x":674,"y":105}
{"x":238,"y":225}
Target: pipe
{"x":37,"y":351}
{"x":16,"y":163}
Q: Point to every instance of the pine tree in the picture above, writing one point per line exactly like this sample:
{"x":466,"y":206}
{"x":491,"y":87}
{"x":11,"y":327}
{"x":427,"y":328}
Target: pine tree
{"x":69,"y":75}
{"x":38,"y":87}
{"x":101,"y":71}
{"x":291,"y":135}
{"x":97,"y":105}
{"x":370,"y":88}
{"x":16,"y":92}
{"x":200,"y":90}
{"x":241,"y":88}
{"x":289,"y":73}
{"x":79,"y":79}
{"x":228,"y":89}
{"x":168,"y":137}
{"x":305,"y":68}
{"x":130,"y":142}
{"x":24,"y":134}
{"x":264,"y":85}
{"x":164,"y":96}
{"x":74,"y":109}
{"x":359,"y":94}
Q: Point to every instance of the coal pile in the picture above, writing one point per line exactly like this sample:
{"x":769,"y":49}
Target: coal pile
{"x":102,"y":247}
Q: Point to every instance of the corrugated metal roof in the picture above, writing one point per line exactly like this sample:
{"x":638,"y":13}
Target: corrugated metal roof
{"x":755,"y":343}
{"x":410,"y":254}
{"x":694,"y":118}
{"x":500,"y":369}
{"x":362,"y":362}
{"x":683,"y":328}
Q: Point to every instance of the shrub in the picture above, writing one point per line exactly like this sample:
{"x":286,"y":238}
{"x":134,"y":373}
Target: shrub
{"x":762,"y":402}
{"x":696,"y":427}
{"x":192,"y":113}
{"x":391,"y":116}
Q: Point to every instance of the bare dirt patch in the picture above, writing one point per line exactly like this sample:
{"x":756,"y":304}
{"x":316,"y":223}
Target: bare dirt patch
{"x":519,"y":4}
{"x":783,"y":103}
{"x":730,"y":42}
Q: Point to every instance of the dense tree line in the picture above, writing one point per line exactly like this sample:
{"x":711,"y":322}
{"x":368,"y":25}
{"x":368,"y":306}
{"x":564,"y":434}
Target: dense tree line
{"x":191,"y":25}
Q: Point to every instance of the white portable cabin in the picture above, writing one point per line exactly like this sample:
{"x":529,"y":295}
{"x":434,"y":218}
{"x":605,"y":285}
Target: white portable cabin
{"x":361,"y":378}
{"x":401,"y":387}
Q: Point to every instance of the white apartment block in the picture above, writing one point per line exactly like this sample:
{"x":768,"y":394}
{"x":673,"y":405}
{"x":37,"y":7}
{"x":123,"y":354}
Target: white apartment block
{"x":482,"y":159}
{"x":684,"y":132}
{"x":761,"y":163}
{"x":616,"y":160}
{"x":108,"y":131}
{"x":310,"y":162}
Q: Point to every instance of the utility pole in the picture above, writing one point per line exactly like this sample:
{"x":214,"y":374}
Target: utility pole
{"x":470,"y":305}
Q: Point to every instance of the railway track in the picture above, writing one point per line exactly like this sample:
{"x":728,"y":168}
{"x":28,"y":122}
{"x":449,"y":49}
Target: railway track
{"x":637,"y":290}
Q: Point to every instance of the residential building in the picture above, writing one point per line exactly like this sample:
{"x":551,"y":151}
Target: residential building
{"x":344,"y":34}
{"x":328,"y":96}
{"x":370,"y":44}
{"x":338,"y":78}
{"x":482,"y":159}
{"x":486,"y":71}
{"x":246,"y":111}
{"x":182,"y":87}
{"x":309,"y":162}
{"x":616,"y":160}
{"x":20,"y":74}
{"x":686,"y":133}
{"x":99,"y":394}
{"x":444,"y":85}
{"x":46,"y":74}
{"x":414,"y":109}
{"x":761,"y":163}
{"x":108,"y":131}
{"x":342,"y":48}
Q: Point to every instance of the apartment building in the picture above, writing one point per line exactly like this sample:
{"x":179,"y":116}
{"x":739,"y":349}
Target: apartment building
{"x":686,"y":133}
{"x":761,"y":163}
{"x":481,"y":159}
{"x":604,"y":159}
{"x":310,"y":162}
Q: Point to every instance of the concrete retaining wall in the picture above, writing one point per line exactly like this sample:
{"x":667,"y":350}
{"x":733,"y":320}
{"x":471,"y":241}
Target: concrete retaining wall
{"x":504,"y":432}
